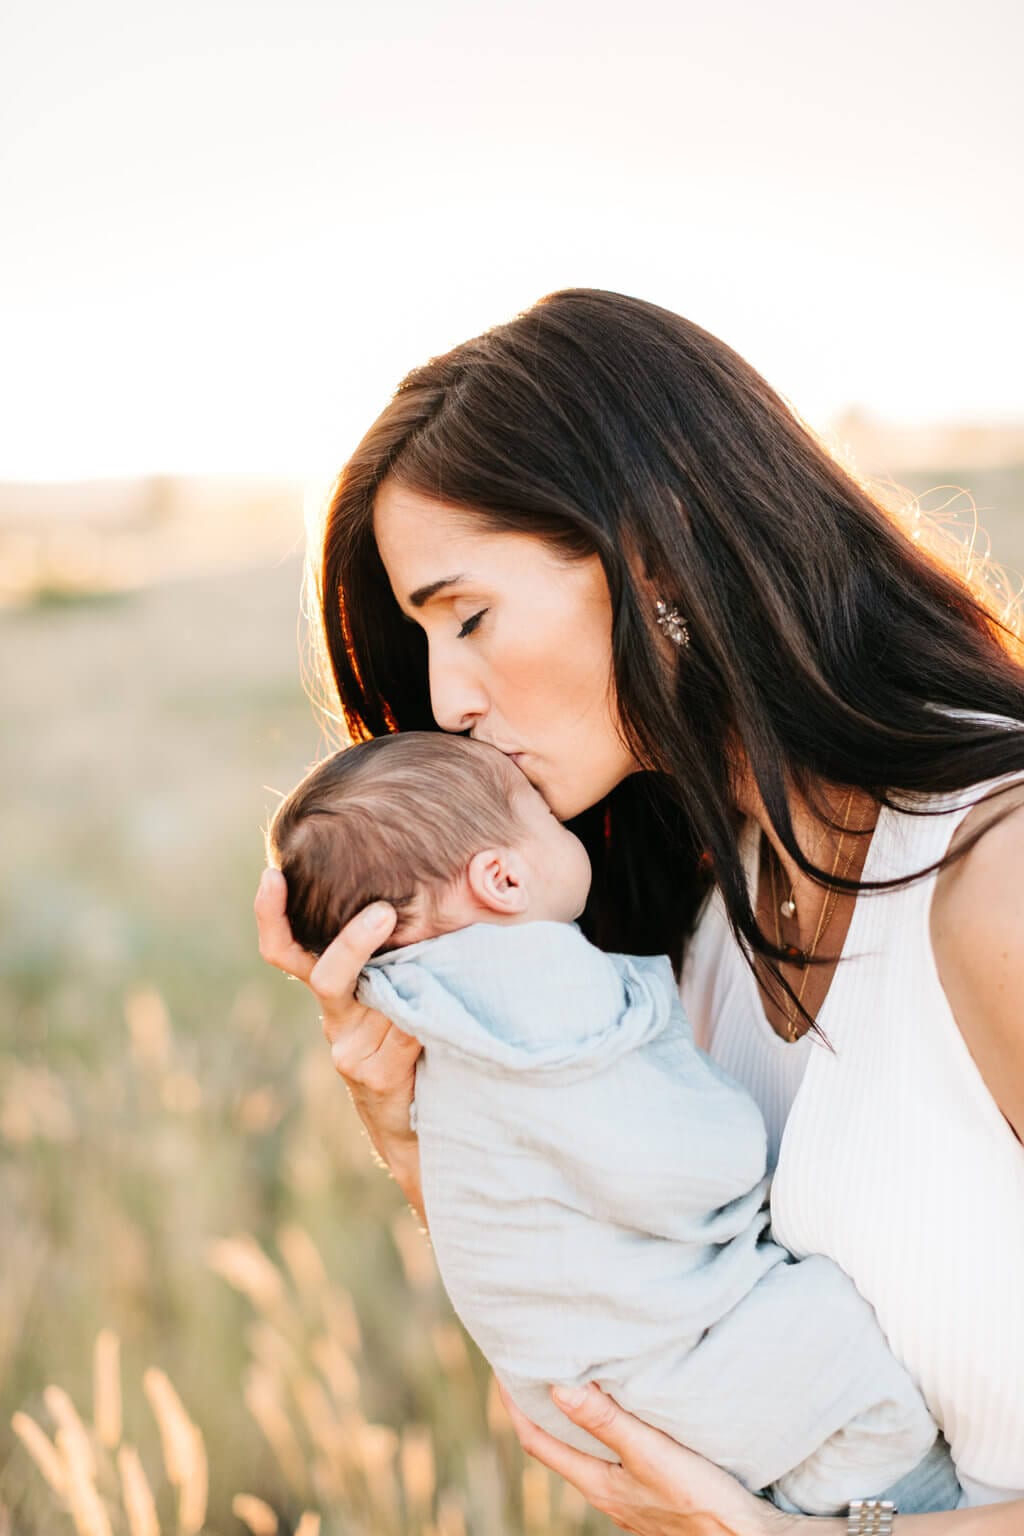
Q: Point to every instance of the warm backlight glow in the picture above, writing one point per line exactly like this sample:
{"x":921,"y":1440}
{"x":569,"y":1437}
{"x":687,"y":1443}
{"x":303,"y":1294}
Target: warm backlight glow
{"x":230,"y":230}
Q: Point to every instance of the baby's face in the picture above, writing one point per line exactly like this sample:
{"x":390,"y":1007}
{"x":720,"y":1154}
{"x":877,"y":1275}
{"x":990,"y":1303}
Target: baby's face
{"x":559,"y":872}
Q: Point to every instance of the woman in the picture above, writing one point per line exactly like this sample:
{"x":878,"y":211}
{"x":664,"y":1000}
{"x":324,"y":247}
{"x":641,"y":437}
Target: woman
{"x":597,"y":540}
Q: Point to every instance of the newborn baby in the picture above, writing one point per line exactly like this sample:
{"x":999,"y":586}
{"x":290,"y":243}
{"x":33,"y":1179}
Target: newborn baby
{"x":594,"y":1184}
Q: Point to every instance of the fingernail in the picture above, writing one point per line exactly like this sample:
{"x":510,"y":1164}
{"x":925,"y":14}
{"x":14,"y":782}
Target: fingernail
{"x":569,"y":1397}
{"x":375,"y":917}
{"x":263,"y":880}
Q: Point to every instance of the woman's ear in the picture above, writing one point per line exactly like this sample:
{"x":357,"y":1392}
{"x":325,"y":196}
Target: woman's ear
{"x":497,"y":880}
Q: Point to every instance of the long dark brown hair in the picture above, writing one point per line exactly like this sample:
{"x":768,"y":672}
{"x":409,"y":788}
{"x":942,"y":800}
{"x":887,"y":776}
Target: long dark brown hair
{"x":825,"y":644}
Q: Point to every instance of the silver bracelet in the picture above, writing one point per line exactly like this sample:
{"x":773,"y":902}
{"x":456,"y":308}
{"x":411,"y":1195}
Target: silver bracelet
{"x":870,"y":1517}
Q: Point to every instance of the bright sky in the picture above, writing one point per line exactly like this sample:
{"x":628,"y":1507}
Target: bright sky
{"x":230,"y":226}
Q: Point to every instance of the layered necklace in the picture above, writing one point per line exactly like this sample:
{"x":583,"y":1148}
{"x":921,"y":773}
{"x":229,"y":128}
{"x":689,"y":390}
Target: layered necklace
{"x":787,"y":908}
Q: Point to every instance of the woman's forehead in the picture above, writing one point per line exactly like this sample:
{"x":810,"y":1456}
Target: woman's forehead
{"x":413,"y":529}
{"x":398,"y":505}
{"x":424,"y":542}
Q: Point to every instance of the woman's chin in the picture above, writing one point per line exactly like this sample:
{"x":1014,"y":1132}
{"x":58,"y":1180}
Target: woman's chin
{"x":565,"y":806}
{"x":568,"y":800}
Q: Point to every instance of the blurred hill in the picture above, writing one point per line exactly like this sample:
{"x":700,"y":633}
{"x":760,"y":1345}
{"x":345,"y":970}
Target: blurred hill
{"x":62,"y":541}
{"x":884,"y":447}
{"x":968,"y":479}
{"x":69,"y":539}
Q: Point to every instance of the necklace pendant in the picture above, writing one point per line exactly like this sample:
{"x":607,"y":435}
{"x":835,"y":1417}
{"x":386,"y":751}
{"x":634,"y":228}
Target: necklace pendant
{"x":788,"y":907}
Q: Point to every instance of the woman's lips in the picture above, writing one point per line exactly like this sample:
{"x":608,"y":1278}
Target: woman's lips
{"x":513,"y":757}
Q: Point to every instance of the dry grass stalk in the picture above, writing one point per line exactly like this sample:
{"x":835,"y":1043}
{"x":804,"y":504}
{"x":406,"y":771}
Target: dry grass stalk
{"x":177,"y":1432}
{"x":72,"y":1435}
{"x":139,"y":1504}
{"x":498,"y":1421}
{"x":337,"y":1369}
{"x":272,"y":1349}
{"x":181,"y":1093}
{"x":572,"y":1506}
{"x":252,"y":1512}
{"x":342,"y":1321}
{"x":451,"y":1514}
{"x":106,"y":1412}
{"x":536,"y":1494}
{"x":261,"y":1397}
{"x":377,"y":1448}
{"x":415,"y":1252}
{"x":450,"y":1348}
{"x":329,"y":1483}
{"x":195,"y":1489}
{"x":339,"y":1470}
{"x":259,"y":1111}
{"x":149,"y":1026}
{"x":485,"y":1485}
{"x":416,"y":1463}
{"x":17,"y":1122}
{"x":318,"y":1415}
{"x":42,"y":1451}
{"x":87,"y":1509}
{"x":304,"y":1264}
{"x":243,"y":1264}
{"x":35,"y":1106}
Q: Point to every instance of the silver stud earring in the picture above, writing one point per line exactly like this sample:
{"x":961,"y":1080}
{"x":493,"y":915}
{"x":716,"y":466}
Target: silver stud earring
{"x":672,"y":622}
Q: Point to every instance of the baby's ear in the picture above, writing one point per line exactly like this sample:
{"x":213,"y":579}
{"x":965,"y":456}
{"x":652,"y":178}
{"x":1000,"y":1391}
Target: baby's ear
{"x":497,"y":880}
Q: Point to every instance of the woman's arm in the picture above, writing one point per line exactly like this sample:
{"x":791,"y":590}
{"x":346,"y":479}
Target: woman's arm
{"x":658,"y":1488}
{"x":376,"y":1059}
{"x":977,"y":930}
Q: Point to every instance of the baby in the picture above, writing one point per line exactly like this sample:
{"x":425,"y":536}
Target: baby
{"x":594,"y":1184}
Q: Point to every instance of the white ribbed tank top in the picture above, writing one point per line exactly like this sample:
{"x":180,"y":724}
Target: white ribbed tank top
{"x":893,"y":1158}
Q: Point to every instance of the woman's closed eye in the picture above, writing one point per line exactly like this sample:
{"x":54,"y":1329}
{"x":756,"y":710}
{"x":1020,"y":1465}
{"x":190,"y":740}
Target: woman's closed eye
{"x":471,"y":624}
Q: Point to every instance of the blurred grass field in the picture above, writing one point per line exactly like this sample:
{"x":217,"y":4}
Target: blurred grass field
{"x":178,"y":1163}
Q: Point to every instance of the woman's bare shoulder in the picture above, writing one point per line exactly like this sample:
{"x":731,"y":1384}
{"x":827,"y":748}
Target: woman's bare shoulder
{"x":993,"y":865}
{"x":977,"y":931}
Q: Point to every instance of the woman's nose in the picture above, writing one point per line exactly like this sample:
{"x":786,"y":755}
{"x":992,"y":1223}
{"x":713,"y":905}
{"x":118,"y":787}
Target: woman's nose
{"x":457,"y":699}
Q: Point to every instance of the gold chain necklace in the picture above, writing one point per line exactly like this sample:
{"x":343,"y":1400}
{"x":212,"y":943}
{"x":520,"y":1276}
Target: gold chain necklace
{"x":788,"y":906}
{"x":825,"y":916}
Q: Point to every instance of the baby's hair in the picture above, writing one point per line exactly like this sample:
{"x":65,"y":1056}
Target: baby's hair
{"x":393,"y":819}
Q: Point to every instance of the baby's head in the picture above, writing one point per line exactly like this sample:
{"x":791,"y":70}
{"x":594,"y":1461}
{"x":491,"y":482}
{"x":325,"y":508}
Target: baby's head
{"x":446,"y":829}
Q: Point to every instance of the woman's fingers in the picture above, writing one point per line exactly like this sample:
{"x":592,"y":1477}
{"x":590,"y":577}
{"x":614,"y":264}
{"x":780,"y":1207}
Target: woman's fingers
{"x":334,"y":976}
{"x":277,"y":946}
{"x":657,"y":1486}
{"x":601,"y":1416}
{"x":365,"y":1046}
{"x":589,"y":1474}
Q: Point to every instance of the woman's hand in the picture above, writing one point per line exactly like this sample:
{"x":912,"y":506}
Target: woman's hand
{"x":657,"y":1487}
{"x":376,"y":1059}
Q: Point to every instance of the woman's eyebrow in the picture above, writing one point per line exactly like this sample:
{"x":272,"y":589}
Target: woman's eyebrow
{"x":424,"y":594}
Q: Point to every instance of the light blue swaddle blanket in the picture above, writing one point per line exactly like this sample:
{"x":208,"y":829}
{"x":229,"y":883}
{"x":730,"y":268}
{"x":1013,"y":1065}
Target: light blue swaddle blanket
{"x":595,"y":1191}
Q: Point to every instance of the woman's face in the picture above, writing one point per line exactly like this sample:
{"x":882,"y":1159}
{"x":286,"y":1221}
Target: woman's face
{"x":519,"y":643}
